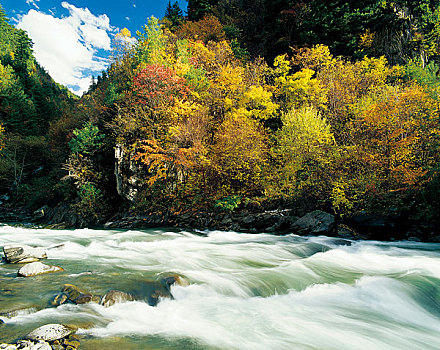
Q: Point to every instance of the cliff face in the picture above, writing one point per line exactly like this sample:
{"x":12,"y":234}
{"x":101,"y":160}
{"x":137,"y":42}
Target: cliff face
{"x":126,"y":172}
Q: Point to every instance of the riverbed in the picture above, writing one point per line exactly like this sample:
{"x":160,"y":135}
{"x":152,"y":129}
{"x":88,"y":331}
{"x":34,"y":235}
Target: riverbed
{"x":246,"y":291}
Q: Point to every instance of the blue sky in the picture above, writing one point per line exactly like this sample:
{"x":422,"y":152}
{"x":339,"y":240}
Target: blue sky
{"x":72,"y":38}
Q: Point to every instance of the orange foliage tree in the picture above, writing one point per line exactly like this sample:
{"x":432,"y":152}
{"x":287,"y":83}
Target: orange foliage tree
{"x":398,"y":136}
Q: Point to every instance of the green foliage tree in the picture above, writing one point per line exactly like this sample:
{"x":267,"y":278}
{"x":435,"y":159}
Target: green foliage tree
{"x":174,"y":14}
{"x":197,"y":9}
{"x":86,"y":140}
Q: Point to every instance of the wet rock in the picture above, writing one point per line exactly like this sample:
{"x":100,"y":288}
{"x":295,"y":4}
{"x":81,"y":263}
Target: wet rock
{"x":59,"y":299}
{"x":40,"y":213}
{"x":18,"y":312}
{"x":381,"y":226}
{"x":50,"y":332}
{"x":78,"y":296}
{"x":41,"y":345}
{"x":74,"y":344}
{"x":435,"y":239}
{"x":25,"y":344}
{"x":37,"y":268}
{"x":115,"y":297}
{"x":23,"y":254}
{"x":160,"y":293}
{"x":316,"y":223}
{"x":345,"y":231}
{"x":340,"y":242}
{"x":168,"y":281}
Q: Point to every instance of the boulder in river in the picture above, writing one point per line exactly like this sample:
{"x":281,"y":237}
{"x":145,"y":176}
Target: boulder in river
{"x":50,"y":332}
{"x":37,"y":268}
{"x":115,"y":297}
{"x":21,"y":253}
{"x":79,"y":296}
{"x":168,"y":281}
{"x":316,"y":222}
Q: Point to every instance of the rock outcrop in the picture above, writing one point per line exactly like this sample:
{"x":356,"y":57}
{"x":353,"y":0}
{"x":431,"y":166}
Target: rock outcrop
{"x":40,"y":213}
{"x":316,"y":222}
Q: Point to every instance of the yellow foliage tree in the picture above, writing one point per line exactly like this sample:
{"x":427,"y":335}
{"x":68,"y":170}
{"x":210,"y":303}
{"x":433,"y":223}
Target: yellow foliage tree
{"x":305,"y":146}
{"x":238,"y":155}
{"x":298,"y":89}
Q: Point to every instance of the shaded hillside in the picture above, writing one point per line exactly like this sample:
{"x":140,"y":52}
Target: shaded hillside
{"x":30,"y":101}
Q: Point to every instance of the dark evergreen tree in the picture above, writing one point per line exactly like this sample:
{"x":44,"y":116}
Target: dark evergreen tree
{"x":197,"y":9}
{"x":174,"y":14}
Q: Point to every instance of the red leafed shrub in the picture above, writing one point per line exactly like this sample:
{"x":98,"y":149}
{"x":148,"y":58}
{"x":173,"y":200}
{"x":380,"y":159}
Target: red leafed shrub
{"x":157,"y":86}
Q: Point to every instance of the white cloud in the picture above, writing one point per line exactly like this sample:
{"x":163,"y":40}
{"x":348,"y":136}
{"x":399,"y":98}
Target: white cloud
{"x":67,"y":47}
{"x":32,"y":3}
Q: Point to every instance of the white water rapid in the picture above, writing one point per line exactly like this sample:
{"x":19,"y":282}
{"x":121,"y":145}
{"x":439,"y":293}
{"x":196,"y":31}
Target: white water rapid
{"x":256,"y":292}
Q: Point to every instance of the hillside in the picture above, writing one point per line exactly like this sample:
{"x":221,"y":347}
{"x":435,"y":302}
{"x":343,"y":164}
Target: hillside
{"x":191,"y":119}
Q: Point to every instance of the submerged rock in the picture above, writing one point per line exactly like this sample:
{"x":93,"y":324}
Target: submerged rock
{"x":316,"y":223}
{"x":37,"y":268}
{"x":115,"y":297}
{"x":59,"y":299}
{"x":18,"y":312}
{"x":159,"y":293}
{"x":23,"y":254}
{"x":71,"y":343}
{"x":50,"y":332}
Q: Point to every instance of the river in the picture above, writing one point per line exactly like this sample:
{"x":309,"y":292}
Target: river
{"x":246,"y":291}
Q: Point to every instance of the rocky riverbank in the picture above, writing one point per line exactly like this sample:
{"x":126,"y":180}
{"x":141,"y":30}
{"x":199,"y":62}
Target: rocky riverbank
{"x":386,"y":226}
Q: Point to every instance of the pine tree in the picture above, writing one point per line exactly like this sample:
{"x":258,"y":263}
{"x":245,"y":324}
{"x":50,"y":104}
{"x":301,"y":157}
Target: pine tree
{"x":174,"y":14}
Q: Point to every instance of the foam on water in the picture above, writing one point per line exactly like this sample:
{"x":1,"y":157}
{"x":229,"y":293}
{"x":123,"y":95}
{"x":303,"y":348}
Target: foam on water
{"x":370,"y":314}
{"x":246,"y":292}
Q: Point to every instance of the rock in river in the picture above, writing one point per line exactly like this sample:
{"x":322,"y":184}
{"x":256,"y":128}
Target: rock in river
{"x":168,"y":281}
{"x":37,"y":268}
{"x":23,"y":254}
{"x":115,"y":297}
{"x":78,"y":296}
{"x":29,"y":345}
{"x":50,"y":332}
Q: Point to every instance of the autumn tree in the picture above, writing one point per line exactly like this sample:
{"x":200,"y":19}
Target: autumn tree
{"x":398,"y":134}
{"x":239,"y":154}
{"x":206,"y":29}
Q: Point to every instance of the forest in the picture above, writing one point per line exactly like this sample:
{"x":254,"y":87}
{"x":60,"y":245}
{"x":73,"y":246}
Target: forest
{"x":331,"y":105}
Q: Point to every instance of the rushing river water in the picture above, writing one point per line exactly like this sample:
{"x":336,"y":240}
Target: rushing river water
{"x":246,"y":291}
